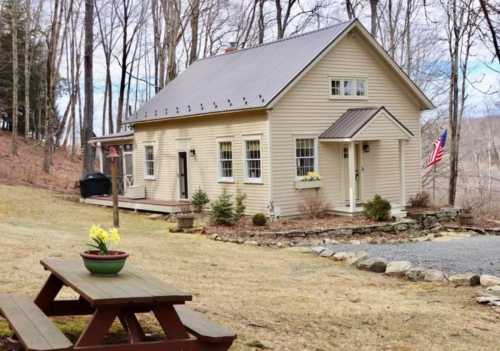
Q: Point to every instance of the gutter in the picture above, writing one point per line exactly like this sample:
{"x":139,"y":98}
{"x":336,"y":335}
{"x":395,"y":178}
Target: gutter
{"x":165,"y":119}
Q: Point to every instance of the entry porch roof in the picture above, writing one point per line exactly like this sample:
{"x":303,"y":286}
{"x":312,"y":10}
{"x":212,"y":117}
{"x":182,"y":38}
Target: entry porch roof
{"x":367,"y":123}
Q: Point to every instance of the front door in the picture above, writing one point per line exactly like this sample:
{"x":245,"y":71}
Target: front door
{"x":358,"y":149}
{"x":183,"y":175}
{"x":128,"y":166}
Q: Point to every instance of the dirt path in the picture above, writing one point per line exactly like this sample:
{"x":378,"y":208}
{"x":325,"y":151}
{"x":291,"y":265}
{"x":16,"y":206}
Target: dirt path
{"x":282,"y":299}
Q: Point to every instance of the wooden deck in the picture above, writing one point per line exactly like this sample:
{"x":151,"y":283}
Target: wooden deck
{"x":159,"y":206}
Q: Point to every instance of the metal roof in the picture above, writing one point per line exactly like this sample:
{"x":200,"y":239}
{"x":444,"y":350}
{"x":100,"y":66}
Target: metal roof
{"x":353,"y":120}
{"x":239,"y":80}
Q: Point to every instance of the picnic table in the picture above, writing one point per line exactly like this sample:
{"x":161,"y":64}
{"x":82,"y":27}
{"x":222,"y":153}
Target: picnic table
{"x":106,"y":299}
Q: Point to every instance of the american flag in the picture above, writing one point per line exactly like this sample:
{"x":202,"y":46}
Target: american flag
{"x":437,"y":152}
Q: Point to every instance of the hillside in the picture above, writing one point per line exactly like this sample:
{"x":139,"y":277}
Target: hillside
{"x":26,"y":168}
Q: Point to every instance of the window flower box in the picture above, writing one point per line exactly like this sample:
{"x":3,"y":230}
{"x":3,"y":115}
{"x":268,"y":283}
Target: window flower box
{"x":310,"y":181}
{"x":312,"y":184}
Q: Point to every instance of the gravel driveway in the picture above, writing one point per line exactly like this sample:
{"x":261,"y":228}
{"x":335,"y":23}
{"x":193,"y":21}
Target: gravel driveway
{"x":479,"y":254}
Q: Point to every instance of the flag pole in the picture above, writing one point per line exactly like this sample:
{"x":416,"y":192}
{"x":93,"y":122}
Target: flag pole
{"x":434,"y":183}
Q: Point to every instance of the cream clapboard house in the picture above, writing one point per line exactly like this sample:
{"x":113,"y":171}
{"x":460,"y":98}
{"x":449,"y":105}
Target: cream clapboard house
{"x":256,"y":120}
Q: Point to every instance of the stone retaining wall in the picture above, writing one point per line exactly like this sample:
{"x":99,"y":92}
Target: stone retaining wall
{"x":420,"y":223}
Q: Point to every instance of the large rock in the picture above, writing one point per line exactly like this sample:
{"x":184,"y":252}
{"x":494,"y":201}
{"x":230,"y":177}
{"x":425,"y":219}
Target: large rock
{"x":318,"y":249}
{"x":342,"y":256}
{"x":429,"y":221}
{"x":415,"y":274}
{"x":487,"y":299}
{"x":450,"y":212}
{"x":397,"y":268}
{"x":400,"y":227}
{"x":326,"y":253}
{"x":436,"y":228}
{"x":464,"y":279}
{"x":495,"y":289}
{"x":434,"y":275}
{"x":374,"y":264}
{"x":358,"y":256}
{"x":344,"y":231}
{"x":489,"y":280}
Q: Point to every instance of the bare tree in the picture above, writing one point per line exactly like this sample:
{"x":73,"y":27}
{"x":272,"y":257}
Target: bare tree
{"x":486,"y":8}
{"x":108,"y":40}
{"x":51,"y":75}
{"x":262,"y":26}
{"x":374,"y":17}
{"x":351,"y":7}
{"x":174,"y":35}
{"x":194,"y":6}
{"x":130,"y":26}
{"x":283,"y":19}
{"x":27,"y":69}
{"x":88,"y":114}
{"x":462,"y":24}
{"x":15,"y":74}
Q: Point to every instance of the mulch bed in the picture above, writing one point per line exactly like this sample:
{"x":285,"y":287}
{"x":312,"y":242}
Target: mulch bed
{"x":331,"y":221}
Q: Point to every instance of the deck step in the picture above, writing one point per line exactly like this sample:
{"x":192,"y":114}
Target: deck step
{"x":34,"y":330}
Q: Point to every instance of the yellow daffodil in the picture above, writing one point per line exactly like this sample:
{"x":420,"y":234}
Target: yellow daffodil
{"x":101,"y":238}
{"x":311,"y":176}
{"x":114,"y":236}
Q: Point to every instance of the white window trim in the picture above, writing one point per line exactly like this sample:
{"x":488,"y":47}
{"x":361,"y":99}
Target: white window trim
{"x":245,"y":138}
{"x":342,"y":96}
{"x":147,"y":176}
{"x":219,"y":140}
{"x":316,"y":154}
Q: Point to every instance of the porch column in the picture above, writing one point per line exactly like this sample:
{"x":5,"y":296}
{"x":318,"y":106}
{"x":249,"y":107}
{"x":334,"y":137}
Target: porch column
{"x":352,"y":177}
{"x":101,"y":157}
{"x":402,"y":172}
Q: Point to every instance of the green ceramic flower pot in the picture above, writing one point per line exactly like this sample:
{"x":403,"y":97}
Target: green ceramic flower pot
{"x":110,"y":264}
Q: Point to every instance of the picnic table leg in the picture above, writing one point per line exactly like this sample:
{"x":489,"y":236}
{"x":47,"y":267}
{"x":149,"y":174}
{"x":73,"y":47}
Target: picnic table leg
{"x":48,"y":293}
{"x":170,"y":322}
{"x":97,"y":328}
{"x":132,"y":327}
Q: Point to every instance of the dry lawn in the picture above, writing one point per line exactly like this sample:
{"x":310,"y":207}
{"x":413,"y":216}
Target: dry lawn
{"x":282,"y":299}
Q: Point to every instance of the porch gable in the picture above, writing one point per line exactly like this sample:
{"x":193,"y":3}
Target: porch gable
{"x":368,"y":123}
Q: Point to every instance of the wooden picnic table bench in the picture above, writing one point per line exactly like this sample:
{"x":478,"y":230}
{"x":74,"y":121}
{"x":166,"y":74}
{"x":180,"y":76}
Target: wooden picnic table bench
{"x":32,"y":327}
{"x":106,"y":299}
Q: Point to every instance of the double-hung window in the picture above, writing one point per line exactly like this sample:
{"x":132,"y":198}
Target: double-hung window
{"x":225,"y":160}
{"x":305,"y":156}
{"x":349,"y":88}
{"x":252,"y":160}
{"x":149,"y":162}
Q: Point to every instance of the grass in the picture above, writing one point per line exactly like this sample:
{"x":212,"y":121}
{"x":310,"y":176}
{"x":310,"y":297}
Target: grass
{"x":281,"y":299}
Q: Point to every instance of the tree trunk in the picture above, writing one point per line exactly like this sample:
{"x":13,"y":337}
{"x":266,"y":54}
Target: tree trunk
{"x":27,"y":69}
{"x":261,"y":21}
{"x":123,"y":64}
{"x":15,"y":77}
{"x":279,"y":16}
{"x":172,"y":34}
{"x":110,"y":99}
{"x":374,"y":17}
{"x":88,"y":156}
{"x":408,"y":38}
{"x":493,"y":31}
{"x":195,"y":16}
{"x":104,"y":106}
{"x":453,"y":122}
{"x":349,"y":9}
{"x":50,"y":83}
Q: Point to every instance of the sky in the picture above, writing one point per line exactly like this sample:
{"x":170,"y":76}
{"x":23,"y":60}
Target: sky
{"x":483,"y":87}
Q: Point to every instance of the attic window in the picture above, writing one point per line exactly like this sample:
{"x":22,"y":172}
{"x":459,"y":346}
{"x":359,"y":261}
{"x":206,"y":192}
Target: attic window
{"x":349,"y":88}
